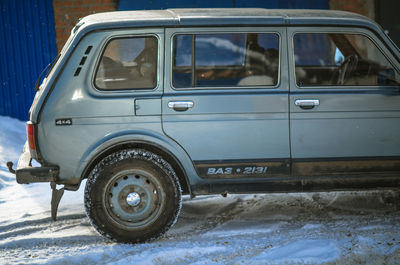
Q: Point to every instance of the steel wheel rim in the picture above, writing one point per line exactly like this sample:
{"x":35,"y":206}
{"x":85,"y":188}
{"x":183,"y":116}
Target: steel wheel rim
{"x":133,"y":199}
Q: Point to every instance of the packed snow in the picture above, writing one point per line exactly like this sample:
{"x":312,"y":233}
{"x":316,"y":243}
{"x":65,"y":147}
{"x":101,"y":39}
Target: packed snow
{"x":312,"y":228}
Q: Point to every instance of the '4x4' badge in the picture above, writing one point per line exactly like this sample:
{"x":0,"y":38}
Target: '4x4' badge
{"x":63,"y":122}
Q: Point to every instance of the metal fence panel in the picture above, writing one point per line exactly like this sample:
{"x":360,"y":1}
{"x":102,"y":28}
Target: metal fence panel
{"x":27,"y":45}
{"x":163,"y":4}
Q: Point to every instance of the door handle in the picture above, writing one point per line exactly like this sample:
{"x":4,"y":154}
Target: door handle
{"x":180,"y":105}
{"x":306,"y":103}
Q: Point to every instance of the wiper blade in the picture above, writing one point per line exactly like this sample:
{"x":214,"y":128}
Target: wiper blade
{"x":46,"y":70}
{"x":40,"y":77}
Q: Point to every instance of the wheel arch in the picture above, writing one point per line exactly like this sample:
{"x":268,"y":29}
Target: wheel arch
{"x":113,"y":144}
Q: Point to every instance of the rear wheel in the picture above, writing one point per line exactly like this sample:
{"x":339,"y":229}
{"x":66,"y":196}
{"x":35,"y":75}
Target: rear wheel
{"x":132,"y":196}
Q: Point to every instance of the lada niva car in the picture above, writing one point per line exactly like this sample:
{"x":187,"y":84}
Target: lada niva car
{"x":150,"y":105}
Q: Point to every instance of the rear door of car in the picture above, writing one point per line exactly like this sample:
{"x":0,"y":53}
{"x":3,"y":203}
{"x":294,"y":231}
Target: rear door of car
{"x":344,"y":106}
{"x":226,"y":100}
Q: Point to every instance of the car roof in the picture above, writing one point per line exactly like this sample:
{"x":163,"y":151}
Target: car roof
{"x":222,"y":17}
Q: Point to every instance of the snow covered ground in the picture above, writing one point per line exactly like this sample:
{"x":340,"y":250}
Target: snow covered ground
{"x":315,"y":228}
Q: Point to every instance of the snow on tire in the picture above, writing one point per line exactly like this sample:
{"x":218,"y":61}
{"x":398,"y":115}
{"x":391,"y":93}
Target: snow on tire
{"x":133,"y":196}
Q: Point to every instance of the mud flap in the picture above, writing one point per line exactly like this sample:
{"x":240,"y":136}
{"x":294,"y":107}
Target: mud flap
{"x":56,"y":196}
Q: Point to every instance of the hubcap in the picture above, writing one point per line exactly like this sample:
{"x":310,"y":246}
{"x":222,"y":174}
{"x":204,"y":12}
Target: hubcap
{"x":133,"y":199}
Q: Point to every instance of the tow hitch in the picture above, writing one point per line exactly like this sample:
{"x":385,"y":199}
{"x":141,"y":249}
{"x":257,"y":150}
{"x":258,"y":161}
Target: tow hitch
{"x":10,"y":167}
{"x":29,"y":175}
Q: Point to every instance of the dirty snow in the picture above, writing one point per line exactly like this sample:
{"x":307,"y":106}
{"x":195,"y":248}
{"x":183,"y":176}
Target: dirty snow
{"x":313,"y":228}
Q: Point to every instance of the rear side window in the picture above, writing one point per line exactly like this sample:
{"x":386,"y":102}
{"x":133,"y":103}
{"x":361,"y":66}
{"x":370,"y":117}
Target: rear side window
{"x":128,"y":63}
{"x":334,"y":59}
{"x":225,"y":60}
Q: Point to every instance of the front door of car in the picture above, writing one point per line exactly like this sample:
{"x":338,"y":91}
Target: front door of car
{"x":226,"y":100}
{"x":344,"y":105}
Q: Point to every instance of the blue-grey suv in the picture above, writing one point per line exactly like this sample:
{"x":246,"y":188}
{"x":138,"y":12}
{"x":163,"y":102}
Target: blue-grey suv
{"x":150,"y":105}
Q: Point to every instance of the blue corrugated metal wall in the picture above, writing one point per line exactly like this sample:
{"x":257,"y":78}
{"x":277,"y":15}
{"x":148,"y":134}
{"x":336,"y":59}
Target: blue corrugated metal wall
{"x":162,"y":4}
{"x":27,"y":45}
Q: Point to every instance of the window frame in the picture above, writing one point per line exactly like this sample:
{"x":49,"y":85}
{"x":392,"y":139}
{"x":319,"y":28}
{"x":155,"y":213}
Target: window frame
{"x":379,"y":44}
{"x":127,"y":36}
{"x":207,"y":31}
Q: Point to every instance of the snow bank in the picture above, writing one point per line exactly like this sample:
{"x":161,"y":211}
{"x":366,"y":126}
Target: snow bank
{"x":12,"y":140}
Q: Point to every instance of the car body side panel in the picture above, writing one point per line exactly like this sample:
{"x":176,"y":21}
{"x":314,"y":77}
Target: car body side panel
{"x":230,"y":126}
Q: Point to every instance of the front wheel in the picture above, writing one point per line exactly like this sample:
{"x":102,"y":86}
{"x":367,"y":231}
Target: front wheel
{"x":132,"y":196}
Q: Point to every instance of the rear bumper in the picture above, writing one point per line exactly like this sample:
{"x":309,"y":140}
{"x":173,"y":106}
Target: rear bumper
{"x":25,"y":173}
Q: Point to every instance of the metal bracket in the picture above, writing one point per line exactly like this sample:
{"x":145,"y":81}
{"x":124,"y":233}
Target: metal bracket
{"x":56,"y":196}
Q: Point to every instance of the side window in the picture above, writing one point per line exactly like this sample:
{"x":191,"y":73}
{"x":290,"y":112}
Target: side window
{"x":128,"y":63}
{"x":225,"y":60}
{"x":335,"y":59}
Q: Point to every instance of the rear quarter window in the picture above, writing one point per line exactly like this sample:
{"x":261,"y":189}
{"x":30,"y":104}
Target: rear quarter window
{"x":128,"y":63}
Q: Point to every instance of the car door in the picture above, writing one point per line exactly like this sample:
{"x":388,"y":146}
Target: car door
{"x":344,"y":106}
{"x":226,"y":100}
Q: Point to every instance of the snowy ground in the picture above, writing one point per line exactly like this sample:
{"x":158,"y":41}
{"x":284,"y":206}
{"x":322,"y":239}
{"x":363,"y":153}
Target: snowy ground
{"x":316,"y":228}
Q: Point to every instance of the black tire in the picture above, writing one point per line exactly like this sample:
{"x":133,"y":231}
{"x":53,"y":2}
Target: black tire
{"x":132,"y":196}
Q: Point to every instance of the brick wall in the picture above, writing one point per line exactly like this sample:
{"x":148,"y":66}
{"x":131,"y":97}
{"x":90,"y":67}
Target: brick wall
{"x":67,"y":13}
{"x":363,"y":7}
